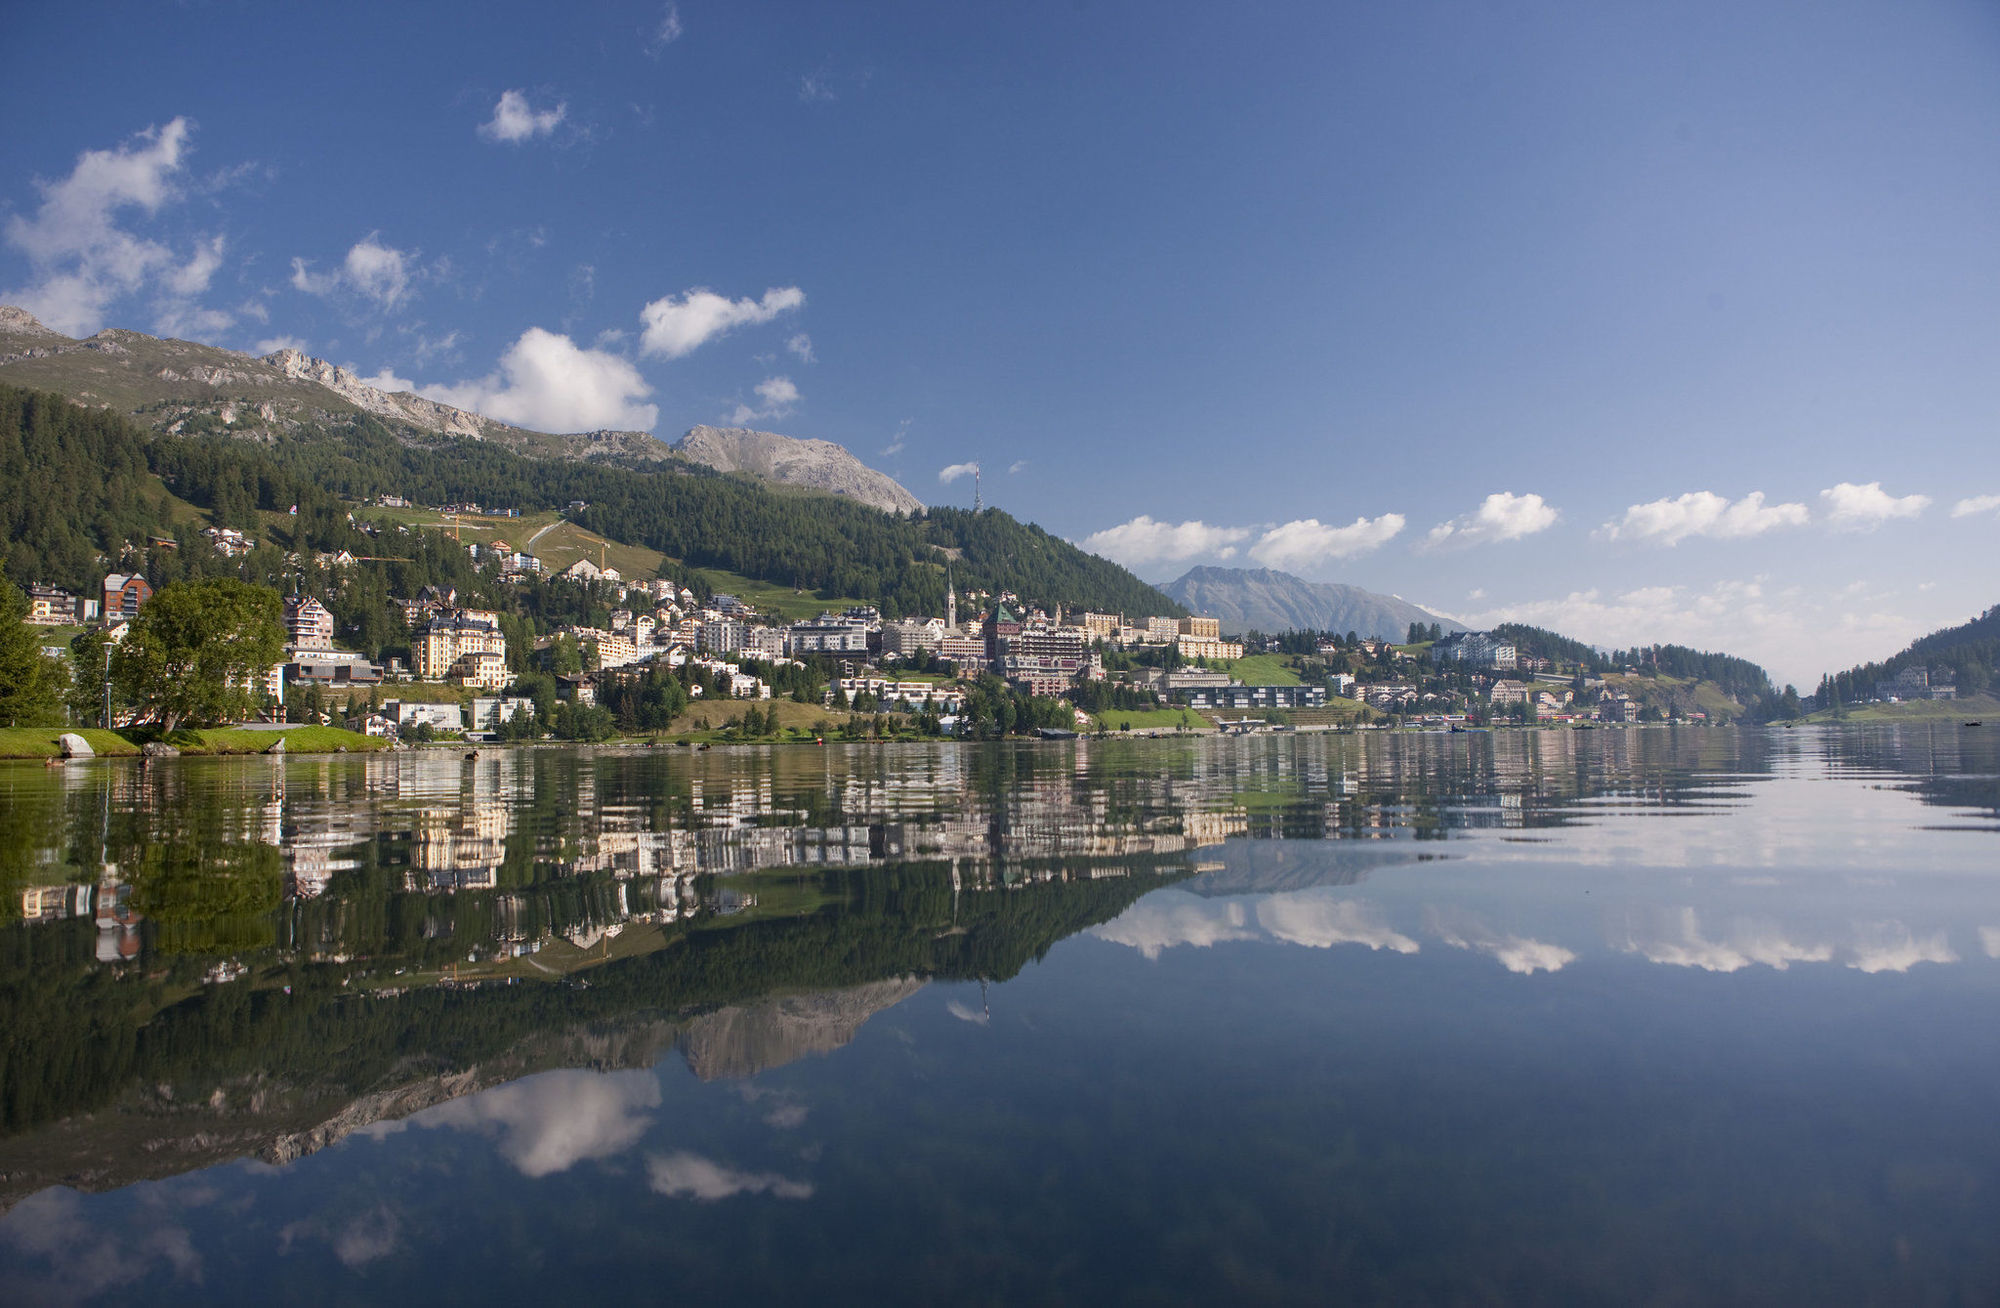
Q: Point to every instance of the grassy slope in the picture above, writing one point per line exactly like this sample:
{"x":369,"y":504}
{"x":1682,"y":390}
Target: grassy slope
{"x":40,"y":742}
{"x":1265,"y":670}
{"x":1972,"y":708}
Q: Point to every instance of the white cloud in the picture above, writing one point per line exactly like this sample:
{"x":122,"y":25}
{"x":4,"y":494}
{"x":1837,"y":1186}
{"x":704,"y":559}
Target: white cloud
{"x":385,"y":380}
{"x":1703,"y":513}
{"x":1307,"y":543}
{"x":815,"y":88}
{"x":371,"y":269}
{"x":1501,"y":516}
{"x":1017,"y":466}
{"x":953,"y":471}
{"x":515,"y":120}
{"x":1795,"y":634}
{"x":1518,"y":954}
{"x":81,"y":260}
{"x":967,"y":1013}
{"x":551,"y":1122}
{"x":548,"y":383}
{"x":802,"y":346}
{"x":691,"y":1175}
{"x":272,"y":344}
{"x":1144,"y":541}
{"x":1320,"y":921}
{"x":666,"y":31}
{"x":776,"y":397}
{"x":1989,"y":940}
{"x":677,"y":325}
{"x":1863,"y":508}
{"x":1976,"y":504}
{"x":899,"y":440}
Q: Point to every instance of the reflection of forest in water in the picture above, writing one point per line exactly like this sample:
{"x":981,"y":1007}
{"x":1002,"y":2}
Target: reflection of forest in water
{"x":255,"y":956}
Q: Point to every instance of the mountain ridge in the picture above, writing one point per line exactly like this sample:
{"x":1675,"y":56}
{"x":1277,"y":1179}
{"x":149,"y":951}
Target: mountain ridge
{"x":1271,"y":601}
{"x":793,"y":461}
{"x":176,"y":386}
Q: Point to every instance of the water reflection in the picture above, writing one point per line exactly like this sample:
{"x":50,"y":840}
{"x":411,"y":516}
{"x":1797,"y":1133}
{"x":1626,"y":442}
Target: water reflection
{"x":685,"y":977}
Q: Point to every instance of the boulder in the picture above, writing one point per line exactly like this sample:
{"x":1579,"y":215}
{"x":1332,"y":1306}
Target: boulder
{"x":74,"y":746}
{"x":277,"y":746}
{"x":159,"y":749}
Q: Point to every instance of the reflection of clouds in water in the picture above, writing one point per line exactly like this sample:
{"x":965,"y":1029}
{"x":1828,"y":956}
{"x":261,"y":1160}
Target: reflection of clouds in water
{"x":1989,"y":938}
{"x":1167,"y":918}
{"x":1676,"y":938}
{"x":551,"y":1122}
{"x":1319,"y":921}
{"x":1462,"y":930}
{"x":371,"y":1236}
{"x":1893,"y":947}
{"x":695,"y":1177}
{"x":967,"y":1013}
{"x":86,"y":1259}
{"x":785,"y":1111}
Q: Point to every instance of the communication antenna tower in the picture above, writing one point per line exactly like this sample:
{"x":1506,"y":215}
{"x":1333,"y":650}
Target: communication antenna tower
{"x":977,"y":505}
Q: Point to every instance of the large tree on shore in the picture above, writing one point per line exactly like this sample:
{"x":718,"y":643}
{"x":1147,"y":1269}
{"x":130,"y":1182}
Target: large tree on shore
{"x":198,"y":652}
{"x":31,"y":683}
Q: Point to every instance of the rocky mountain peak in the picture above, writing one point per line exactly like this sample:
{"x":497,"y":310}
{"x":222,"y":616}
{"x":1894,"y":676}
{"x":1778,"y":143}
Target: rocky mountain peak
{"x":814,"y":464}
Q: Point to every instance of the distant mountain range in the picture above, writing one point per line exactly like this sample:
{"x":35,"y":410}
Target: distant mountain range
{"x":1268,"y":601}
{"x":815,"y":465}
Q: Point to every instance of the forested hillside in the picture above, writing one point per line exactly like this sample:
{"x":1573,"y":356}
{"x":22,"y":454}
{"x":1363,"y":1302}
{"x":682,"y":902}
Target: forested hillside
{"x":1968,"y":652}
{"x":75,"y":486}
{"x":1741,"y":678}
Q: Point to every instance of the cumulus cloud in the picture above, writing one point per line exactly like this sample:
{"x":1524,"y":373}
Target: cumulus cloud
{"x":1307,"y":542}
{"x":551,"y":1122}
{"x":548,"y":383}
{"x":802,"y":346}
{"x":372,"y":270}
{"x":272,"y":344}
{"x":81,"y":258}
{"x":515,"y":120}
{"x":1501,"y":516}
{"x":1794,"y":633}
{"x":677,"y":325}
{"x":85,"y":1259}
{"x":1145,"y":541}
{"x":1518,"y":954}
{"x":1976,"y":504}
{"x":1018,"y":465}
{"x":385,"y":380}
{"x":1703,"y":513}
{"x":951,"y":472}
{"x":1989,"y":940}
{"x":1320,"y":921}
{"x":695,"y":1177}
{"x":1863,"y":508}
{"x":776,"y":397}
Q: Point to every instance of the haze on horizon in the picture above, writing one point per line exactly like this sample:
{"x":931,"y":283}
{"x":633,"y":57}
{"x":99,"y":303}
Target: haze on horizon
{"x":1643,"y":326}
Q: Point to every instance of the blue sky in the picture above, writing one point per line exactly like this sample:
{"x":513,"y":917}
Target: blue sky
{"x":1642,"y":325}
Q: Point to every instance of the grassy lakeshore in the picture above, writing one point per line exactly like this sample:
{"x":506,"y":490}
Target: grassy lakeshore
{"x":40,"y":742}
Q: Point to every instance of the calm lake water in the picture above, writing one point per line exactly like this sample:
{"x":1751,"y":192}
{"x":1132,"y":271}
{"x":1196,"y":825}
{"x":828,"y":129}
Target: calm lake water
{"x":1661,"y":1016}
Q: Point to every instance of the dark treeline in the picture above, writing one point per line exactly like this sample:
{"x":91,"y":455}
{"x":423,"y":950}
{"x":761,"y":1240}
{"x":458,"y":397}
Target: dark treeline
{"x":75,"y":484}
{"x":1969,"y":652}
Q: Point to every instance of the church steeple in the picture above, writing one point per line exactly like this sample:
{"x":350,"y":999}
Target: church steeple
{"x":950,"y":600}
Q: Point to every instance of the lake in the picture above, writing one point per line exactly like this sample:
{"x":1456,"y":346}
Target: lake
{"x":1647,"y":1015}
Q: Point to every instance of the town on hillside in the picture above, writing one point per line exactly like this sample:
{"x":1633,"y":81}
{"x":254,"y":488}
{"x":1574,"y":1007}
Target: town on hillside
{"x":502,"y":646}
